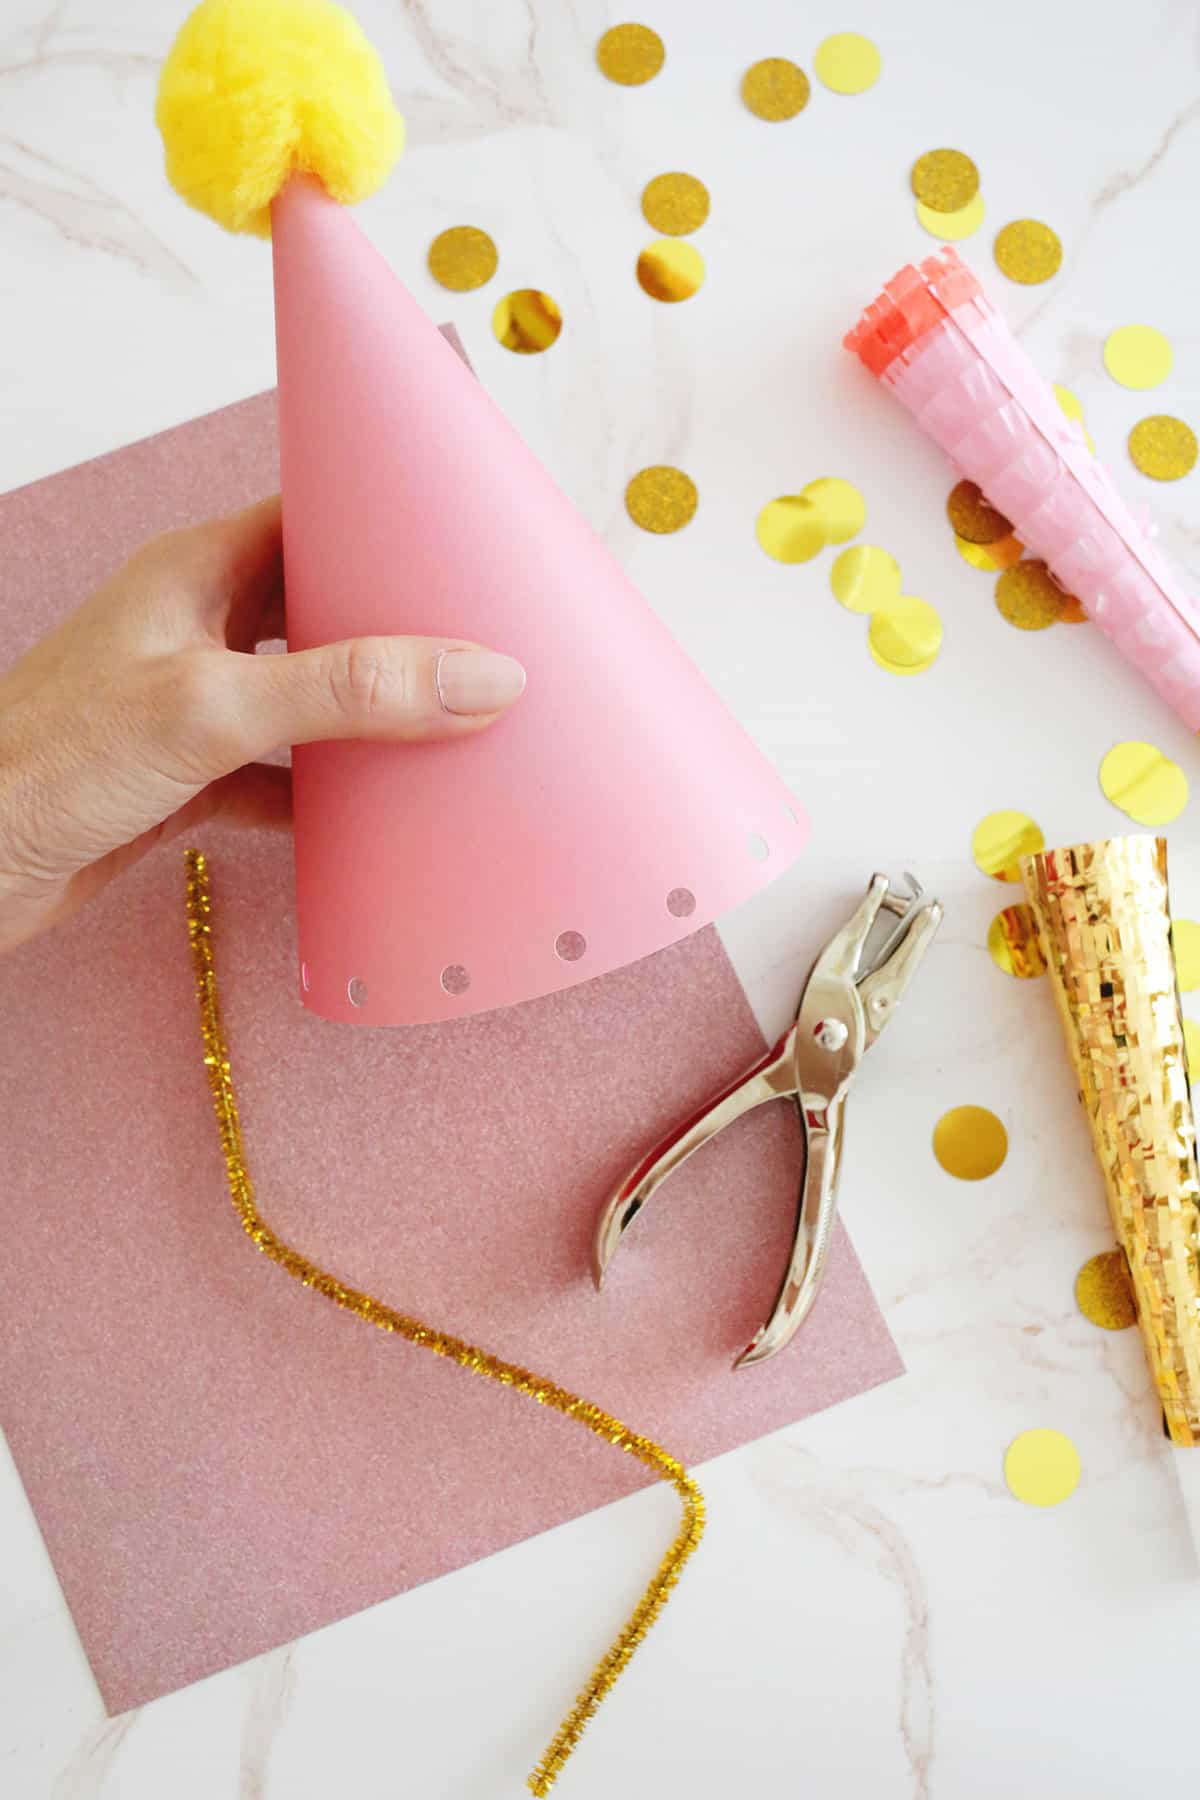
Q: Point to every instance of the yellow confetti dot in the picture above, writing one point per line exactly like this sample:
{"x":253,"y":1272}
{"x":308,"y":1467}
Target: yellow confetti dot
{"x":1014,"y":944}
{"x":1138,"y":356}
{"x":847,"y":63}
{"x":1028,"y":596}
{"x":661,"y":499}
{"x":675,"y":203}
{"x":775,"y":89}
{"x":951,"y":227}
{"x":1163,"y":447}
{"x":1027,"y":251}
{"x":1143,"y":783}
{"x":791,"y":528}
{"x":669,"y":270}
{"x":1069,"y":402}
{"x":1104,"y":1291}
{"x":992,"y":557}
{"x":970,"y":1142}
{"x":905,"y":635}
{"x":840,"y":504}
{"x":462,"y":258}
{"x":864,"y":578}
{"x":526,"y":321}
{"x":1000,"y":841}
{"x":944,"y":180}
{"x":1041,"y":1467}
{"x":1185,"y":937}
{"x":630,"y":54}
{"x":973,"y":518}
{"x":1191,"y":1050}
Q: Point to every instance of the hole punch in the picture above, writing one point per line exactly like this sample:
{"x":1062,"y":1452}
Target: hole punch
{"x":356,"y":989}
{"x":569,"y":946}
{"x":681,"y":903}
{"x":455,"y":979}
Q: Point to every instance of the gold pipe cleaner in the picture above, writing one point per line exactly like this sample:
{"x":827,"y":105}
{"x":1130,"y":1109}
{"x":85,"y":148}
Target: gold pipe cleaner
{"x":480,"y":1362}
{"x":1104,"y":917}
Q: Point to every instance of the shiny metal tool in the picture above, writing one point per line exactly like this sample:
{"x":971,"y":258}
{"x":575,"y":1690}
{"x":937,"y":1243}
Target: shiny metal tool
{"x":851,"y":993}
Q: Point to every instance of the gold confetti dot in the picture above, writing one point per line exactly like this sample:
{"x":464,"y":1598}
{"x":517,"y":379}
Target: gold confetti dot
{"x":1072,"y":612}
{"x":462,"y":258}
{"x":840,"y":504}
{"x":1000,"y":841}
{"x":1163,"y":447}
{"x":847,"y":63}
{"x":675,"y":203}
{"x":1041,"y":1467}
{"x":970,"y":1142}
{"x":992,"y":557}
{"x":1069,"y":402}
{"x":1104,"y":1291}
{"x":951,"y":228}
{"x":973,"y":518}
{"x":1143,"y":783}
{"x":1185,"y":936}
{"x":630,"y":54}
{"x":791,"y":529}
{"x":1138,"y":356}
{"x":1027,"y":251}
{"x":1028,"y":596}
{"x":1014,"y":944}
{"x":864,"y":578}
{"x":905,"y":635}
{"x":944,"y":180}
{"x":661,"y":499}
{"x":669,"y":270}
{"x":526,"y":321}
{"x":775,"y":89}
{"x":1191,"y":1051}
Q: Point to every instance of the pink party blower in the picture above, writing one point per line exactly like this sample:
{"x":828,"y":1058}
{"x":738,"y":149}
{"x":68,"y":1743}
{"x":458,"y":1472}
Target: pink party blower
{"x":618,"y":806}
{"x":936,"y":341}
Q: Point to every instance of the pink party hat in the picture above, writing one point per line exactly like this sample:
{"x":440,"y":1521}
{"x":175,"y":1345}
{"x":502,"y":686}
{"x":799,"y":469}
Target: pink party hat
{"x":618,"y":806}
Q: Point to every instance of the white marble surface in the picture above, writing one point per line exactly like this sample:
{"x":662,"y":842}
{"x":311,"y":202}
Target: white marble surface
{"x":872,"y":1613}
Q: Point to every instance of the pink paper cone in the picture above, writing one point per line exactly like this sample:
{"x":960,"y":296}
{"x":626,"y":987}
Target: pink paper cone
{"x":617,"y":807}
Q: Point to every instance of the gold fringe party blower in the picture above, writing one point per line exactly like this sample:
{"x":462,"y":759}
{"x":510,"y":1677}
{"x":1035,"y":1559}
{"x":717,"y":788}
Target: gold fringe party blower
{"x":1104,"y":916}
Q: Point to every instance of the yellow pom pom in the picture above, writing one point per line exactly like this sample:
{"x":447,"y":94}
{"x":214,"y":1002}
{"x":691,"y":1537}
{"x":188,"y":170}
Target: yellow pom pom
{"x":254,"y":90}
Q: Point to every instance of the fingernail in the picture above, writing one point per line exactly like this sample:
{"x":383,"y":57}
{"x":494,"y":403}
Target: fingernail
{"x":477,"y":681}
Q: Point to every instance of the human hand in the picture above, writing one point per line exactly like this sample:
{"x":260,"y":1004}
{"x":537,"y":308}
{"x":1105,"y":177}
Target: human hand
{"x":142,"y":715}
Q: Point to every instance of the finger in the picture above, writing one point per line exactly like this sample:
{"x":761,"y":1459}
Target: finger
{"x":259,"y":795}
{"x":398,"y":689}
{"x":221,"y":577}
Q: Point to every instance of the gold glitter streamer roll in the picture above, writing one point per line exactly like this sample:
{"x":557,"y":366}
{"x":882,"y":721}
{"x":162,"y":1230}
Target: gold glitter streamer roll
{"x":1104,"y":916}
{"x":468,"y":1356}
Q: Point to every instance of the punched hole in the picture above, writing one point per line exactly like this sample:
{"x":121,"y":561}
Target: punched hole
{"x":569,"y":946}
{"x":455,"y":979}
{"x":681,"y":903}
{"x":758,"y":847}
{"x":357,"y":991}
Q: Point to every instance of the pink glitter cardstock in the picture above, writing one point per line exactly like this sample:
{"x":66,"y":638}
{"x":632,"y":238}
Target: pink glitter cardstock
{"x":219,"y":1461}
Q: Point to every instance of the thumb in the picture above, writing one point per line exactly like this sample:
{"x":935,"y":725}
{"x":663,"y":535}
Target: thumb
{"x":394,"y":688}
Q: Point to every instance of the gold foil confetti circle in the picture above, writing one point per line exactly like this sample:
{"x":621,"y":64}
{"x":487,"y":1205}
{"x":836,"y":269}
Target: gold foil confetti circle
{"x":1138,"y":356}
{"x":864,"y":577}
{"x":1000,"y":841}
{"x":462,"y":258}
{"x":951,"y":227}
{"x":527,"y":321}
{"x":1027,"y":251}
{"x":841,"y":506}
{"x":675,"y":203}
{"x":670,"y":271}
{"x":1163,"y":447}
{"x":1013,"y":942}
{"x":970,"y":1142}
{"x":1070,"y":403}
{"x":1146,"y":785}
{"x":630,"y":54}
{"x":905,"y":635}
{"x":973,"y":518}
{"x":1104,"y":1291}
{"x":661,"y":499}
{"x":1185,"y":941}
{"x":1041,"y":1467}
{"x":991,"y":557}
{"x":847,"y":63}
{"x":775,"y":89}
{"x":791,"y":529}
{"x":1028,"y":597}
{"x":944,"y":180}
